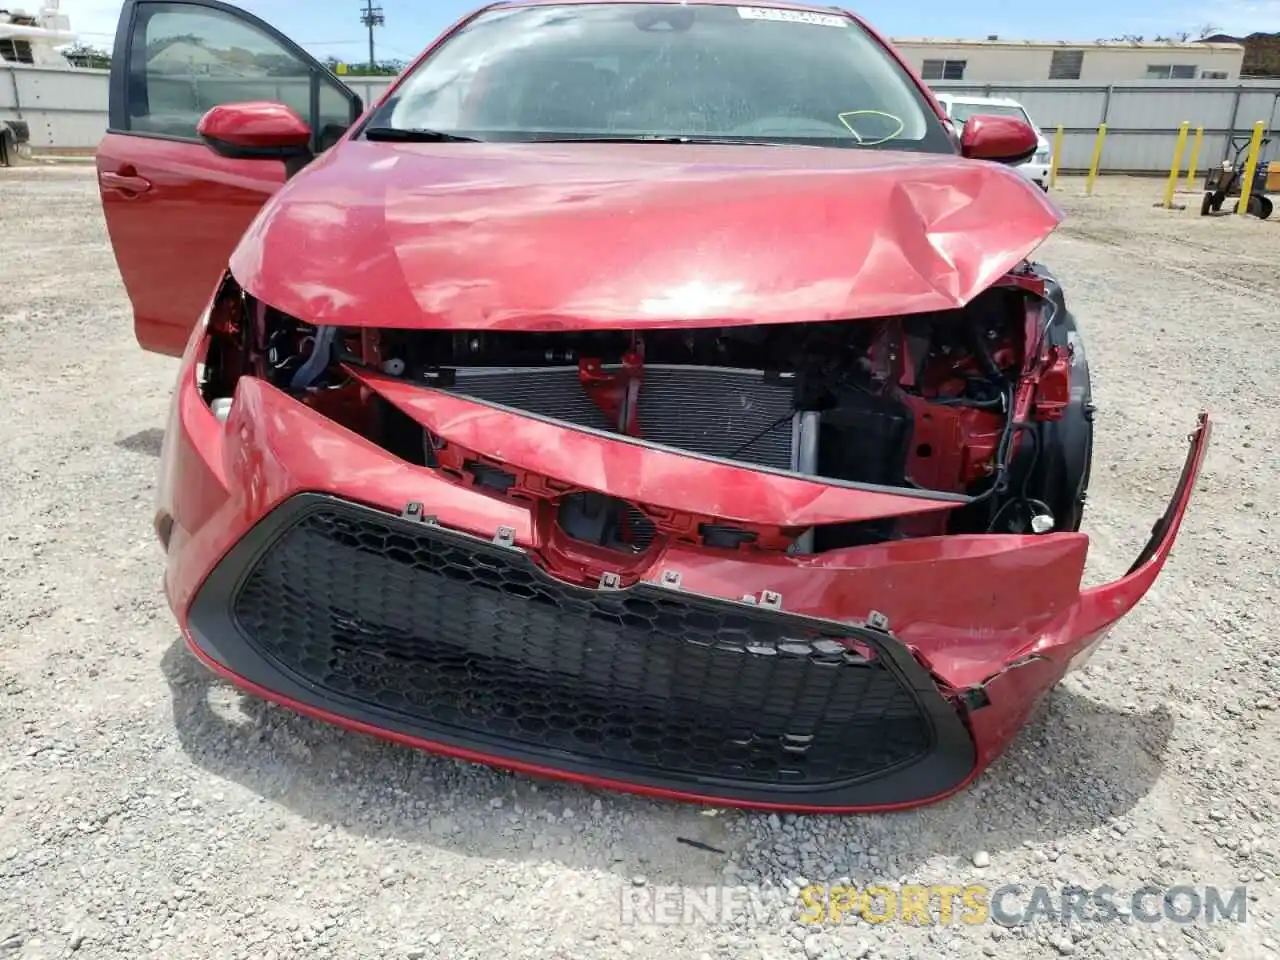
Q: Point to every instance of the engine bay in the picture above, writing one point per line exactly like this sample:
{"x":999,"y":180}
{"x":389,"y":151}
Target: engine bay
{"x":990,"y":402}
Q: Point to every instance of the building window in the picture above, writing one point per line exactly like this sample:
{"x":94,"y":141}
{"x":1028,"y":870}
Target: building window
{"x":16,"y":51}
{"x":1213,"y":75}
{"x":943,"y":70}
{"x":1066,"y":64}
{"x":1177,"y":71}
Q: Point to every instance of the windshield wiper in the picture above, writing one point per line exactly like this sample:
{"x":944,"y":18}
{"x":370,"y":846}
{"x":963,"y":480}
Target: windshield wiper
{"x":415,"y":135}
{"x":664,"y":138}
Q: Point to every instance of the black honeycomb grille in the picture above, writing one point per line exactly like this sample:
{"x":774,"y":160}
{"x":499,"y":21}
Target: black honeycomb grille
{"x":456,"y":634}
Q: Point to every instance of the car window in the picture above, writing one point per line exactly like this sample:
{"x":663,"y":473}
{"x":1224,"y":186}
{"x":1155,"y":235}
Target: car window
{"x":961,"y":112}
{"x":695,"y":70}
{"x":187,"y":60}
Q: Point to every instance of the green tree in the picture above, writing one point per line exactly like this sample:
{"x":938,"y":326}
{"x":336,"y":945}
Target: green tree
{"x":83,"y":55}
{"x":382,"y":68}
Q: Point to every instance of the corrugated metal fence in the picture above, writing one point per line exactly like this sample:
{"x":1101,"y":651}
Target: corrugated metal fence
{"x":68,"y":109}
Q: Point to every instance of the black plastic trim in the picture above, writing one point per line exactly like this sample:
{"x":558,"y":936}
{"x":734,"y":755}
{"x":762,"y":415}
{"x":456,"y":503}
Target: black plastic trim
{"x":213,"y":628}
{"x":238,"y":152}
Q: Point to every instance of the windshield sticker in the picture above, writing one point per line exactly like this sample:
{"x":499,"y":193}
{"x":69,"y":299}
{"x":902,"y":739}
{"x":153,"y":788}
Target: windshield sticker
{"x":792,"y":16}
{"x":877,"y":126}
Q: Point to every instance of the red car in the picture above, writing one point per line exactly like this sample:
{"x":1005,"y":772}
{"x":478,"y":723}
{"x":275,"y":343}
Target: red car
{"x":653,"y":395}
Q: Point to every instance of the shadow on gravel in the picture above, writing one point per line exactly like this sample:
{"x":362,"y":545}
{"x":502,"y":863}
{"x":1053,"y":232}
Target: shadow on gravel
{"x":1076,"y":765}
{"x":144,"y":441}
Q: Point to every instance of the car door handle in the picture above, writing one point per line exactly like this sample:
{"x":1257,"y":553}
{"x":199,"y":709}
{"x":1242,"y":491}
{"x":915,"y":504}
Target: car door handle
{"x":127,"y":184}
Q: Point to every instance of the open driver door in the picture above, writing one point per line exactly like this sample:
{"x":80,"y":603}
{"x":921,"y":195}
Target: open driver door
{"x":174,"y":207}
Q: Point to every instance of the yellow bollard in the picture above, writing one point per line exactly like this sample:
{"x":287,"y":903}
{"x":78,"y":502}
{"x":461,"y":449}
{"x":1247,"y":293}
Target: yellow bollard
{"x":1250,"y":168}
{"x":1175,"y":170}
{"x":1195,"y":155}
{"x":1057,"y":156}
{"x":1097,"y":158}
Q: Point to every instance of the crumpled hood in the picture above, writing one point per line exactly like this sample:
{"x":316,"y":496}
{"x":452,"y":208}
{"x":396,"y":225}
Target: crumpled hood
{"x":555,"y":236}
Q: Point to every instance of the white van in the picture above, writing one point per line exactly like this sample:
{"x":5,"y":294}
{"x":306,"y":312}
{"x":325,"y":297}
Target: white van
{"x":960,"y":107}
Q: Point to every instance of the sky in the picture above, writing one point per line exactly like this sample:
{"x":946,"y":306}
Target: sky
{"x":332,"y":27}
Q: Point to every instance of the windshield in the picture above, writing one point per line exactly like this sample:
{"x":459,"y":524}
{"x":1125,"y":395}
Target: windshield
{"x":622,"y":70}
{"x":960,"y":112}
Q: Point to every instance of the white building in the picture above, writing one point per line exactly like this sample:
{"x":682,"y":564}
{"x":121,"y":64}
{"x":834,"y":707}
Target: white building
{"x":1022,"y":61}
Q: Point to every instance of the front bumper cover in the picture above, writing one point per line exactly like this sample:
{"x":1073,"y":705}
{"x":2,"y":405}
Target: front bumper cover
{"x":466,"y":644}
{"x":975,"y":630}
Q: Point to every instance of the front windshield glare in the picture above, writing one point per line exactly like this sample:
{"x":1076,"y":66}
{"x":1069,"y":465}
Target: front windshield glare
{"x":665,"y":70}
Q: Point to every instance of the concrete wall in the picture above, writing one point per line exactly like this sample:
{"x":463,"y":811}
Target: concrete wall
{"x":68,"y":109}
{"x":1023,"y":61}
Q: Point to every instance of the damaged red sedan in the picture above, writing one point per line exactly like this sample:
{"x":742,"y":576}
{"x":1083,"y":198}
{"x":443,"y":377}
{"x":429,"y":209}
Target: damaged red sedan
{"x":653,"y":395}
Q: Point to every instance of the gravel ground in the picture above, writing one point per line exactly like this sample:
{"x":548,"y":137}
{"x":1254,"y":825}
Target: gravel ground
{"x":149,"y":810}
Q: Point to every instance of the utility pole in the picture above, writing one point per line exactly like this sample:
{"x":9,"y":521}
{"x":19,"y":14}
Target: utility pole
{"x":371,"y":17}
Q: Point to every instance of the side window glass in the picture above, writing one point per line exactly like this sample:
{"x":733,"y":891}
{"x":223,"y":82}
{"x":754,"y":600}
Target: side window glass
{"x":195,"y":59}
{"x":335,"y":114}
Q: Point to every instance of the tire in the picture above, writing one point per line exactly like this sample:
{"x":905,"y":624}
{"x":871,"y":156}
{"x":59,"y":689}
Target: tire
{"x":1218,"y":197}
{"x":1206,"y":205}
{"x":1067,"y":444}
{"x":1260,"y":207}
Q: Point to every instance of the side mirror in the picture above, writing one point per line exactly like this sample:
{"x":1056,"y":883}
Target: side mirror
{"x":1002,"y":139}
{"x":256,"y":131}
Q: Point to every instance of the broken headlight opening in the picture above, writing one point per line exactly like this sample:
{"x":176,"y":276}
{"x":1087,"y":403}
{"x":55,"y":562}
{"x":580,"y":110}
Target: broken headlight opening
{"x":246,"y":337}
{"x":989,"y":404}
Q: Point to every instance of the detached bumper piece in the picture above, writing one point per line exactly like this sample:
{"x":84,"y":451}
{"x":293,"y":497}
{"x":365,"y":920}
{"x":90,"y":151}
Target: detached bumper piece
{"x":466,"y":647}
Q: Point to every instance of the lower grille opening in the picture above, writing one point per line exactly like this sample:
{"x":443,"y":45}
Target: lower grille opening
{"x":460,"y":635}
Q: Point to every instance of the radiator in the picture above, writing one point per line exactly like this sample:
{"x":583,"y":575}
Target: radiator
{"x":721,"y":412}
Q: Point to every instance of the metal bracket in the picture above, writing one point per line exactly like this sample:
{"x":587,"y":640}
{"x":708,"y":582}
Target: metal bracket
{"x":749,"y":598}
{"x":670,"y":579}
{"x":878,"y":621}
{"x":505,"y":536}
{"x":415,"y":511}
{"x":610,"y":580}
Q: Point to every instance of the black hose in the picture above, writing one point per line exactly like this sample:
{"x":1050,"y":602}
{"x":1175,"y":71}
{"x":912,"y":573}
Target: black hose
{"x":991,"y":404}
{"x":1024,"y":498}
{"x":317,"y":361}
{"x":1026,"y":478}
{"x":1001,"y":481}
{"x":1035,"y":457}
